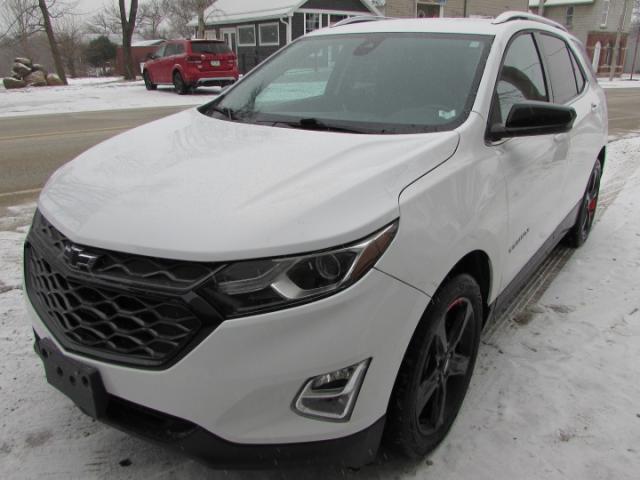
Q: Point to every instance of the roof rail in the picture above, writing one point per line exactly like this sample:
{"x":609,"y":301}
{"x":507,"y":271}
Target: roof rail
{"x":509,"y":16}
{"x":360,"y":19}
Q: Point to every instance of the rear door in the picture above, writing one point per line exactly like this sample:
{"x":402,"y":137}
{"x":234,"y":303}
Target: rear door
{"x":570,"y":86}
{"x":534,"y":167}
{"x":166,"y":65}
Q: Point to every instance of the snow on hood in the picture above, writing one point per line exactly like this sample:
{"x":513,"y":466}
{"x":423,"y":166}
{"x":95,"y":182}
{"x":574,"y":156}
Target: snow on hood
{"x":196,"y":188}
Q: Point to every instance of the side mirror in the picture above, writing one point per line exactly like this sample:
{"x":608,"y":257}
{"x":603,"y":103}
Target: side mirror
{"x":152,"y":56}
{"x":534,"y":118}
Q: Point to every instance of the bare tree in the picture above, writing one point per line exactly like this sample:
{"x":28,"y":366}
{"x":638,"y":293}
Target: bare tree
{"x":152,"y":15}
{"x":128,"y":23}
{"x":70,"y":42}
{"x":106,"y":21}
{"x":181,"y":12}
{"x":19,"y":20}
{"x":55,"y":52}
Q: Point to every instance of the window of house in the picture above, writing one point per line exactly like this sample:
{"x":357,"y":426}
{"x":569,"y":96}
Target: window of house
{"x":247,"y":36}
{"x":521,"y":78}
{"x":311,"y":22}
{"x":269,"y":34}
{"x":561,"y":72}
{"x":568,"y":21}
{"x":333,"y":19}
{"x":605,"y":13}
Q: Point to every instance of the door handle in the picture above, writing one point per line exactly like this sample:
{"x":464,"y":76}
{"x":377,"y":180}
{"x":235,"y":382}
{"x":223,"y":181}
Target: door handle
{"x":560,"y":137}
{"x":594,"y":107}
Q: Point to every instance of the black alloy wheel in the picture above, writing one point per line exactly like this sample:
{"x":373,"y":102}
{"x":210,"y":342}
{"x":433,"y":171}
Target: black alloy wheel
{"x":179,"y":84}
{"x":578,"y":235}
{"x":435,"y":373}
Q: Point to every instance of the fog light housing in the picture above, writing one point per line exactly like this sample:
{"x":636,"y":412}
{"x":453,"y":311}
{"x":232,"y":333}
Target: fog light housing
{"x":333,"y":395}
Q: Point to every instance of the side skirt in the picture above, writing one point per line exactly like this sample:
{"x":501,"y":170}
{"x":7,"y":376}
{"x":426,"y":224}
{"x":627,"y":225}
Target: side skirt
{"x":504,"y":300}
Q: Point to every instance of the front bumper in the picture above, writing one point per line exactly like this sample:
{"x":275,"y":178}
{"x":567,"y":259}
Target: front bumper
{"x":236,"y":387}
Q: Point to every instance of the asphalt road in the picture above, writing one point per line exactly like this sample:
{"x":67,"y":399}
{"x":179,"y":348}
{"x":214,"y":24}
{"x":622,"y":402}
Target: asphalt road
{"x":31,"y":148}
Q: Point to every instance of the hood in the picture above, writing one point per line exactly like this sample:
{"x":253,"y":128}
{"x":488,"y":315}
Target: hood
{"x":192,"y":187}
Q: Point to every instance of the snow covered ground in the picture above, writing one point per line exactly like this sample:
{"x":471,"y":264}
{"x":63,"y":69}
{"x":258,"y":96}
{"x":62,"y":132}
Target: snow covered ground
{"x":623,"y":82}
{"x":555,"y":394}
{"x":93,"y":94}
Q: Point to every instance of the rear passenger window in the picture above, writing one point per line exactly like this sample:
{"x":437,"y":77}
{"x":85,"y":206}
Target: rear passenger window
{"x":563,"y":80}
{"x":179,"y":49}
{"x":170,"y":50}
{"x":521,"y":78}
{"x":580,"y":80}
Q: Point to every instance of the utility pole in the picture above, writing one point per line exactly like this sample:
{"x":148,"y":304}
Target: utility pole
{"x":541,"y":8}
{"x":613,"y":63}
{"x":635,"y":51}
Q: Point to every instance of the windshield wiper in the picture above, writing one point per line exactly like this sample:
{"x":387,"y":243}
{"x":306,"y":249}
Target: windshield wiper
{"x":315,"y":124}
{"x":226,"y":111}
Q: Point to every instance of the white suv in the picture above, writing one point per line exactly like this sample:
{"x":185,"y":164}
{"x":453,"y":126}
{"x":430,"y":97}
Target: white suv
{"x":304,"y":265}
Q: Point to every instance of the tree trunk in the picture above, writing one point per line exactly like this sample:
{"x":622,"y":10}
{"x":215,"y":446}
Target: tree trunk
{"x":57,"y":59}
{"x":201,"y":26}
{"x":128,"y":25}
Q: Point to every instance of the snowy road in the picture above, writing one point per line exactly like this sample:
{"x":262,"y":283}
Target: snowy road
{"x":555,"y":394}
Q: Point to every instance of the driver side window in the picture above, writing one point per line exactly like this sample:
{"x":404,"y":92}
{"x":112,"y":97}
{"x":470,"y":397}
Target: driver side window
{"x":521,"y":78}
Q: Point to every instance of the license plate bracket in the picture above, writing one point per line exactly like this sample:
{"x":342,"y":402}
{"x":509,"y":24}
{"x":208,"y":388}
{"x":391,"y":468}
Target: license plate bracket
{"x":81,"y":383}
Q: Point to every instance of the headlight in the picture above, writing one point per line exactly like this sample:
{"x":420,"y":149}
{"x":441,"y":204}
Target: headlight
{"x":253,"y":286}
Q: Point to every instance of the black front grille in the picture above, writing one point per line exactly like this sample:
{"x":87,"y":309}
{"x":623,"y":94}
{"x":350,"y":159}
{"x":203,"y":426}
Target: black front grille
{"x":116,"y":307}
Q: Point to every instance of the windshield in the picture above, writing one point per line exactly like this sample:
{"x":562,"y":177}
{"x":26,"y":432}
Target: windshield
{"x":364,"y":83}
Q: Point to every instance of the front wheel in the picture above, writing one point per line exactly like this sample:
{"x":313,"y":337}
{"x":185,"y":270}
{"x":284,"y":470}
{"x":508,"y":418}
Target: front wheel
{"x":149,"y":85}
{"x":435,"y":373}
{"x":579,"y":233}
{"x":179,"y":84}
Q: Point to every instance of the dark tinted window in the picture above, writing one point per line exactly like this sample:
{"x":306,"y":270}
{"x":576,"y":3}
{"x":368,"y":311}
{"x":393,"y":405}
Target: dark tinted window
{"x":170,"y":50}
{"x":580,"y":80}
{"x":179,"y":49}
{"x":521,"y":78}
{"x":210,"y":47}
{"x":561,"y":74}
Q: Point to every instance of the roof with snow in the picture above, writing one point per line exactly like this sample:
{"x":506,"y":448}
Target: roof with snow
{"x":237,"y":11}
{"x":559,"y":3}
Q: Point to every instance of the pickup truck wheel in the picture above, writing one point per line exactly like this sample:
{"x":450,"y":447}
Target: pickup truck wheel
{"x":149,"y":85}
{"x":578,"y":235}
{"x":435,"y":373}
{"x":178,"y":83}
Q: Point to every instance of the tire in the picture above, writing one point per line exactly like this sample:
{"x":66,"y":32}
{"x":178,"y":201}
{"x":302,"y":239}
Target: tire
{"x":577,"y":236}
{"x":435,"y":372}
{"x":149,"y":85}
{"x":179,"y":84}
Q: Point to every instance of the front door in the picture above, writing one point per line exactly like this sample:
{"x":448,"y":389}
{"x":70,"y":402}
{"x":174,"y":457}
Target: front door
{"x":534,"y":167}
{"x":229,"y":36}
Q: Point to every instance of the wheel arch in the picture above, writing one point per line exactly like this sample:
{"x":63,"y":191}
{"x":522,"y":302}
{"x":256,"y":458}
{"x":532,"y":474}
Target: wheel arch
{"x":477,"y":264}
{"x":602,"y":156}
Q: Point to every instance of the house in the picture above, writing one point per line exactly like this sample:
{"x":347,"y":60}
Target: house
{"x":255,"y":29}
{"x":595,"y":23}
{"x":140,"y":50}
{"x":450,"y":8}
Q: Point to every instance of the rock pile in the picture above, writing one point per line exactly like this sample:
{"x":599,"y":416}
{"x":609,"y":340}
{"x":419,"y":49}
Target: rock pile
{"x":25,"y":73}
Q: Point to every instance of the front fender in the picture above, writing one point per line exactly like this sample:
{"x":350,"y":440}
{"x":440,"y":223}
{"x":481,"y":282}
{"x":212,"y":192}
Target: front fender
{"x":458,"y":208}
